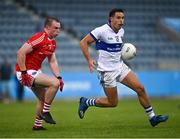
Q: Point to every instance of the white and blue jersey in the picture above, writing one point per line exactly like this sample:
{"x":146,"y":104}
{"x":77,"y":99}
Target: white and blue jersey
{"x":108,"y":45}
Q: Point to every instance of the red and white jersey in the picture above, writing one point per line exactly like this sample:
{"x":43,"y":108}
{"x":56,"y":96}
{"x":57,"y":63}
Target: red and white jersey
{"x":42,"y":47}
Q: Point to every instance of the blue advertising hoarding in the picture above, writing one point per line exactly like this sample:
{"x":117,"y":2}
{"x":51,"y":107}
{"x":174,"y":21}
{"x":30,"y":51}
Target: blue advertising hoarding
{"x":77,"y":84}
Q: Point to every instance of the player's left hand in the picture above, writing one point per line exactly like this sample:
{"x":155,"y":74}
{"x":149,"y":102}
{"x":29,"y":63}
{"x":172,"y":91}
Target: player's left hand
{"x":61,"y":83}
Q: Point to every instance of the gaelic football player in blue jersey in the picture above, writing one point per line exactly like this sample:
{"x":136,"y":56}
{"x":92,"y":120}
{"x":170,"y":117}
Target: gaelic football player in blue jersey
{"x":111,"y":68}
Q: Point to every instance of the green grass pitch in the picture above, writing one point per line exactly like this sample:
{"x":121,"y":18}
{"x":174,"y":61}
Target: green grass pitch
{"x":128,"y":120}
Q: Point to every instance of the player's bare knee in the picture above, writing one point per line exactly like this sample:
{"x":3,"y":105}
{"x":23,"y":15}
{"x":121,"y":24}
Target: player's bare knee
{"x":55,"y":83}
{"x":140,"y":90}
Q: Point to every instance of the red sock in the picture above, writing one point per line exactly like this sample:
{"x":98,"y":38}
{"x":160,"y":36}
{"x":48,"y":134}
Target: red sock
{"x":38,"y":122}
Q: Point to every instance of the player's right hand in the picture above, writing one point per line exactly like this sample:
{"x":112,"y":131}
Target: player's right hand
{"x":27,"y":79}
{"x":92,"y":65}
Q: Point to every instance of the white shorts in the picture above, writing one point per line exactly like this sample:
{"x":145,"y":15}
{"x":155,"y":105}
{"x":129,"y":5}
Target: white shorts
{"x":33,"y":73}
{"x":110,"y":78}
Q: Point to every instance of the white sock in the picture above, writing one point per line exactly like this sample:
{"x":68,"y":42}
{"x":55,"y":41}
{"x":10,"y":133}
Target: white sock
{"x":150,"y":112}
{"x":91,"y":102}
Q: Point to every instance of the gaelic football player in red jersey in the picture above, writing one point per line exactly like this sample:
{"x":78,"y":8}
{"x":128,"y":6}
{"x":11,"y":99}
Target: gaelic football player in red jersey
{"x":28,"y":69}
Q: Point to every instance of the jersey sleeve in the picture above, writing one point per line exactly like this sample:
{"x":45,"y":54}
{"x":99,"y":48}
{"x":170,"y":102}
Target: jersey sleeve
{"x":96,"y":33}
{"x":36,"y":40}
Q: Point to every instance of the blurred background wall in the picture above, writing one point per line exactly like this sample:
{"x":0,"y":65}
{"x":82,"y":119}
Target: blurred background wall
{"x":153,"y":26}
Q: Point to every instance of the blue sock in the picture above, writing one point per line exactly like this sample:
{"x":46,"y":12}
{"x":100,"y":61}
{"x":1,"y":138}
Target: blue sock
{"x":91,"y":102}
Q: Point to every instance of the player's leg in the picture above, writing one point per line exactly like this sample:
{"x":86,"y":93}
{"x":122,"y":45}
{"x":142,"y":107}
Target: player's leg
{"x":40,"y":93}
{"x":51,"y":84}
{"x":111,"y":100}
{"x":132,"y":82}
{"x":108,"y":81}
{"x":43,"y":80}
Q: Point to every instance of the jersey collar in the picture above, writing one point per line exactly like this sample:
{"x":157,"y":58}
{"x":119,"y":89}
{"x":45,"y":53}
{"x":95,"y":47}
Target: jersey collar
{"x":111,"y":27}
{"x":48,"y":36}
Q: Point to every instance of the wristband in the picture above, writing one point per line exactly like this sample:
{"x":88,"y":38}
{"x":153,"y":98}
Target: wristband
{"x":24,"y":72}
{"x":59,"y":77}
